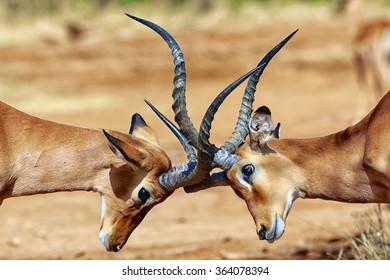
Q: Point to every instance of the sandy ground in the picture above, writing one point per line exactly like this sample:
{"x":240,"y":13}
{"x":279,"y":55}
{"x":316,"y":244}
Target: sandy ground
{"x":101,"y":79}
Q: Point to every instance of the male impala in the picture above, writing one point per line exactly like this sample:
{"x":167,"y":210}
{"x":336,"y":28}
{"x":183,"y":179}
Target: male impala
{"x":39,"y":156}
{"x":370,"y":42}
{"x":269,"y":173}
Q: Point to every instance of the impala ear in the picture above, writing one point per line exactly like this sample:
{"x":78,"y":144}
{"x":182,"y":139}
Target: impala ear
{"x":140,"y":129}
{"x":262,"y":129}
{"x":126,"y":151}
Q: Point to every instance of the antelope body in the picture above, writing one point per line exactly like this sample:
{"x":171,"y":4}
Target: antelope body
{"x":269,"y":173}
{"x":39,"y":156}
{"x":352,"y":165}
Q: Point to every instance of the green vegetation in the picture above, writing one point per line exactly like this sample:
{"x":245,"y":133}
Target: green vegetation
{"x":34,"y":8}
{"x":14,"y":9}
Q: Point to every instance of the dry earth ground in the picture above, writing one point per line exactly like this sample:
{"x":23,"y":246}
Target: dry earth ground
{"x":102,"y":78}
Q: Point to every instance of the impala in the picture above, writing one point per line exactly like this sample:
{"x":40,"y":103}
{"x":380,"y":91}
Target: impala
{"x":130,"y":171}
{"x":39,"y":156}
{"x":269,"y":173}
{"x":370,"y":41}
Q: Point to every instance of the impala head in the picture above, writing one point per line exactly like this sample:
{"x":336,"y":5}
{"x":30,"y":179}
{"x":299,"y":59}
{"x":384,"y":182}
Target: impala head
{"x":265,"y":179}
{"x":134,"y":187}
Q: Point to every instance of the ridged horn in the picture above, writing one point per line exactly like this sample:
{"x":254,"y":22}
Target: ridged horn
{"x":178,"y":94}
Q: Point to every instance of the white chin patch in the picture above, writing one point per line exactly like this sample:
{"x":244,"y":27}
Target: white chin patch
{"x":280,"y":226}
{"x":103,"y":238}
{"x":276,"y":231}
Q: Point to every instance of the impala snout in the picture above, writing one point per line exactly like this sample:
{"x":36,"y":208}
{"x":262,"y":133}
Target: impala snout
{"x":272,"y":232}
{"x":272,"y":226}
{"x":115,"y":234}
{"x":104,"y":238}
{"x":111,"y":243}
{"x":118,"y":221}
{"x":111,"y":240}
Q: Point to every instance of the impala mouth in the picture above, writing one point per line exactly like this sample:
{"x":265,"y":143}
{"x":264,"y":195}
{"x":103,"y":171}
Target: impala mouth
{"x":274,"y":233}
{"x":278,"y":225}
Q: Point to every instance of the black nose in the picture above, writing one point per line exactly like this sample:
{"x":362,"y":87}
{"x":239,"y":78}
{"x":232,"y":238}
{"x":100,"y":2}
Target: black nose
{"x":117,"y":248}
{"x":262,"y":232}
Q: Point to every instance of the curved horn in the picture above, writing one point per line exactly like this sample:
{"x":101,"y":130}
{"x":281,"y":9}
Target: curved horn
{"x":241,"y":130}
{"x":178,"y":94}
{"x":196,"y":170}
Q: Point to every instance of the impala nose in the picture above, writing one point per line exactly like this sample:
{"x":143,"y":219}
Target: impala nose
{"x":262,"y":232}
{"x":117,"y":248}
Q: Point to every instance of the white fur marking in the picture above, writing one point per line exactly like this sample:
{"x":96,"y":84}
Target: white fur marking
{"x":276,"y":231}
{"x":243,"y":182}
{"x":103,"y":238}
{"x":103,"y":209}
{"x":280,"y":226}
{"x":290,"y":199}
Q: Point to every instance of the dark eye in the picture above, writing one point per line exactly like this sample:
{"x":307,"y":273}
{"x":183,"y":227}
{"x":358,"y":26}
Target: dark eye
{"x":143,"y":195}
{"x":247,"y":171}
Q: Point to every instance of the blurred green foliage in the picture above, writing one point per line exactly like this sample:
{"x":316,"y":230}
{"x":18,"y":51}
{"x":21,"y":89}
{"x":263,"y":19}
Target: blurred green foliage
{"x":12,"y":8}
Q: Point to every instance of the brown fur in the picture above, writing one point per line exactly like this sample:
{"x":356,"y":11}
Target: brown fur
{"x":39,"y":156}
{"x":352,"y":165}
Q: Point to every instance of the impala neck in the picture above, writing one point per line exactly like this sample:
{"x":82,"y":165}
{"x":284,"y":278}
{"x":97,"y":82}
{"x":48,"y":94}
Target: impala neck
{"x":64,"y":166}
{"x":333,"y":166}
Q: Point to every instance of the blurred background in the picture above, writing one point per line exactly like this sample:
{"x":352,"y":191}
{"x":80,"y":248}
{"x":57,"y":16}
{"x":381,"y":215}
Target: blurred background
{"x":84,"y":63}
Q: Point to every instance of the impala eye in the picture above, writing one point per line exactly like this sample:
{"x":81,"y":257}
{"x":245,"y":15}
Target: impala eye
{"x":143,"y":195}
{"x":247,"y":171}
